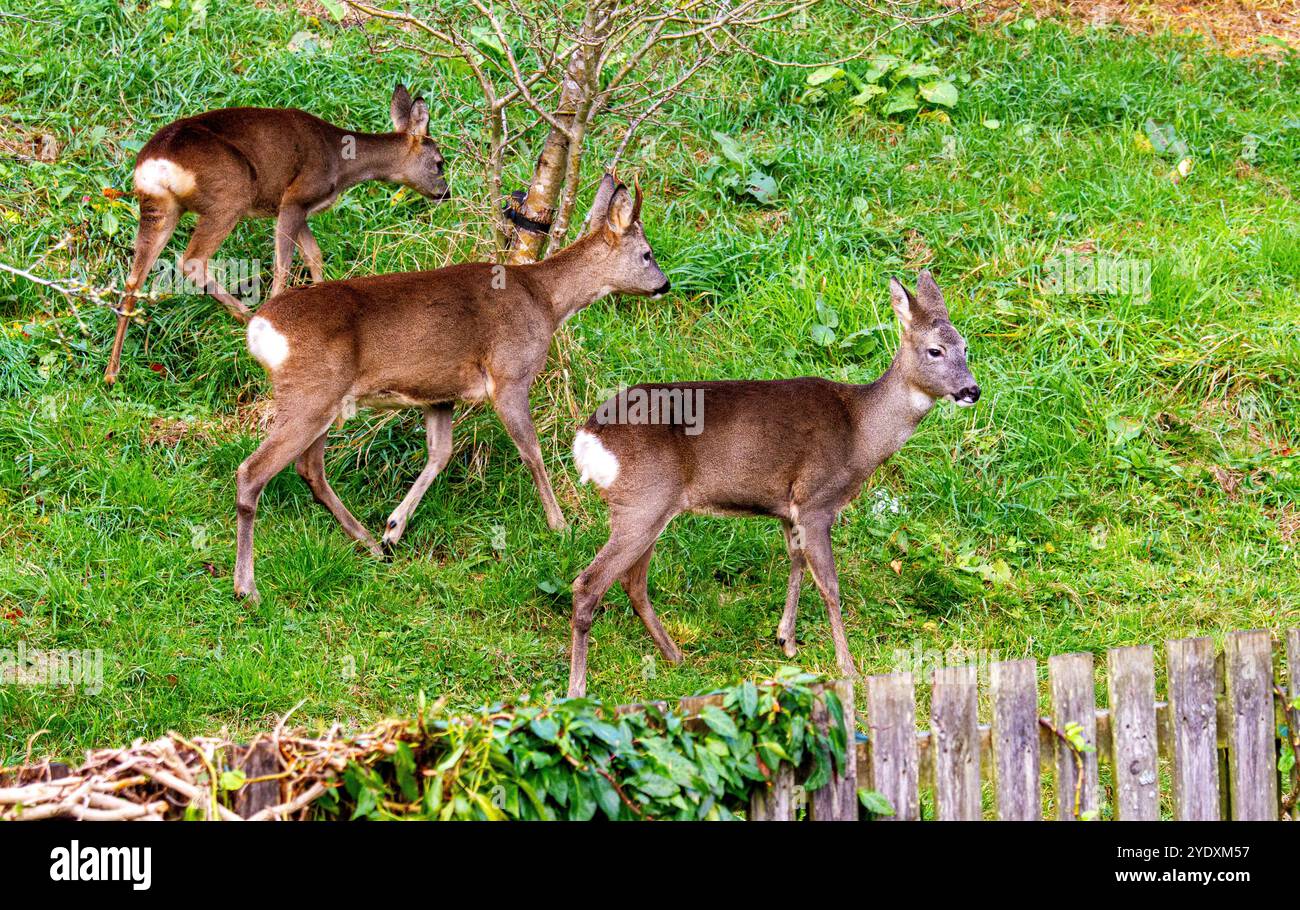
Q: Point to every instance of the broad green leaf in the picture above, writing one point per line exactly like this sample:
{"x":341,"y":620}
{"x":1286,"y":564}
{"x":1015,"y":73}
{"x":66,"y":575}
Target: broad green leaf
{"x":824,"y":74}
{"x":902,"y":98}
{"x":826,"y":313}
{"x":875,"y":802}
{"x":762,"y":187}
{"x":719,"y":721}
{"x":823,"y":334}
{"x":545,"y":728}
{"x":868,"y":92}
{"x":939,"y":91}
{"x":918,"y":70}
{"x":731,"y":149}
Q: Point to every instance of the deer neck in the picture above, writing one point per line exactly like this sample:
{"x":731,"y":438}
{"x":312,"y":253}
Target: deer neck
{"x":373,"y":156}
{"x":575,"y":277}
{"x":889,"y":411}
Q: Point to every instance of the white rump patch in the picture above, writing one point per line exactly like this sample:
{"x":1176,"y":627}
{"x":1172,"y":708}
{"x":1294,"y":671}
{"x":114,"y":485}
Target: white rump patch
{"x":268,"y":347}
{"x":160,"y":177}
{"x":595,"y":462}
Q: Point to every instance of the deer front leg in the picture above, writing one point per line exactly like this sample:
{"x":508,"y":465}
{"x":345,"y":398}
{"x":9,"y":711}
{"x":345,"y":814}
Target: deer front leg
{"x":821,"y":563}
{"x":785,"y":636}
{"x":511,"y":403}
{"x":291,"y":221}
{"x":437,"y":433}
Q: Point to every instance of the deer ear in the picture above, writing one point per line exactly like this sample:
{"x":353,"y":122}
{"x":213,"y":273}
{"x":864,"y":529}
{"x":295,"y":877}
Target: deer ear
{"x":600,"y":204}
{"x":622,"y":211}
{"x":903,"y":302}
{"x":400,"y":108}
{"x":929,"y":295}
{"x":418,"y":123}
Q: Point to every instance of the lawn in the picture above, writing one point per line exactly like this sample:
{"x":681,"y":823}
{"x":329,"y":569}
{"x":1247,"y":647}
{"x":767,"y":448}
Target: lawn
{"x":1129,"y":475}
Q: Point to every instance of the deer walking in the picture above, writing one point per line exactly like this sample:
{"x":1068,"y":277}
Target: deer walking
{"x":244,"y":162}
{"x":798,"y":450}
{"x":466,"y":332}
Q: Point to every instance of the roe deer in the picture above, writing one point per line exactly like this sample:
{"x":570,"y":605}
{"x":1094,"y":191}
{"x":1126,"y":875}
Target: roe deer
{"x":428,"y":339}
{"x":798,"y":450}
{"x":244,"y":162}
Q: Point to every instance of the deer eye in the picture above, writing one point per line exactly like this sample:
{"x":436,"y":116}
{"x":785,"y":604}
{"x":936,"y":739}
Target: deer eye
{"x":646,"y":256}
{"x":935,"y":353}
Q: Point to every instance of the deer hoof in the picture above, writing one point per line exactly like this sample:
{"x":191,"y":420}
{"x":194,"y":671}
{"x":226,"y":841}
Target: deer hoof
{"x":392,"y":534}
{"x":249,"y":597}
{"x":789,"y":647}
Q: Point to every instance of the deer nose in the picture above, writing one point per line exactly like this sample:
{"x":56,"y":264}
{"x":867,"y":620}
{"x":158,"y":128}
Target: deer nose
{"x":971,"y":393}
{"x":663,"y":289}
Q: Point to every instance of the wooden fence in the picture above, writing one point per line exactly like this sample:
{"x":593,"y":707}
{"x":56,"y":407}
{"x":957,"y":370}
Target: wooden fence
{"x":1212,"y":746}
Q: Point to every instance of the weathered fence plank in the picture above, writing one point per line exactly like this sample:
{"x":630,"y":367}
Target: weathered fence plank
{"x":1132,"y":683}
{"x":891,"y":722}
{"x":954,"y":702}
{"x":1074,"y":700}
{"x":774,"y":803}
{"x":1293,"y":663}
{"x":1193,"y":728}
{"x":1015,"y":740}
{"x":1252,"y":757}
{"x":838,"y":799}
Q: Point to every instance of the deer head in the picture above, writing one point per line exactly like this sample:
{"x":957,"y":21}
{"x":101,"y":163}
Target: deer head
{"x":423,"y":167}
{"x":615,"y":221}
{"x":932,"y":353}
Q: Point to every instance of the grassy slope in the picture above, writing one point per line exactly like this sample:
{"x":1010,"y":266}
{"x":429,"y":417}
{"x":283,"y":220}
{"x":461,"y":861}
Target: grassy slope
{"x":115,"y":534}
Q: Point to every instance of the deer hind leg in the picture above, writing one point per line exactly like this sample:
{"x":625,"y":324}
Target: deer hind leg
{"x":311,"y":253}
{"x":158,"y":217}
{"x":636,"y":583}
{"x":821,"y":563}
{"x":289,"y":224}
{"x":631,"y":537}
{"x":212,"y":228}
{"x":311,"y":468}
{"x":288,"y":439}
{"x":785,"y":636}
{"x":437,"y":432}
{"x":511,"y":403}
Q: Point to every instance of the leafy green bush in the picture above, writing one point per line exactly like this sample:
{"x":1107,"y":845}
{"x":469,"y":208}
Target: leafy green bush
{"x":740,"y":172}
{"x":901,"y":83}
{"x":574,"y":759}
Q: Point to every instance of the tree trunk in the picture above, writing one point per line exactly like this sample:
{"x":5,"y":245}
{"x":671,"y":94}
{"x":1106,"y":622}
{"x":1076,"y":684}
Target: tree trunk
{"x":546,"y":194}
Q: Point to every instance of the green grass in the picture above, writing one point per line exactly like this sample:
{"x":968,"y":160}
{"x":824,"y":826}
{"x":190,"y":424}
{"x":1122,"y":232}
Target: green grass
{"x":117,"y":506}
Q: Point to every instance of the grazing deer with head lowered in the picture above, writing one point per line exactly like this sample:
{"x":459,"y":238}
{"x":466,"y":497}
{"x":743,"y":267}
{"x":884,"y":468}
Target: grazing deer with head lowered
{"x":798,"y":450}
{"x":428,"y":339}
{"x":245,"y":162}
